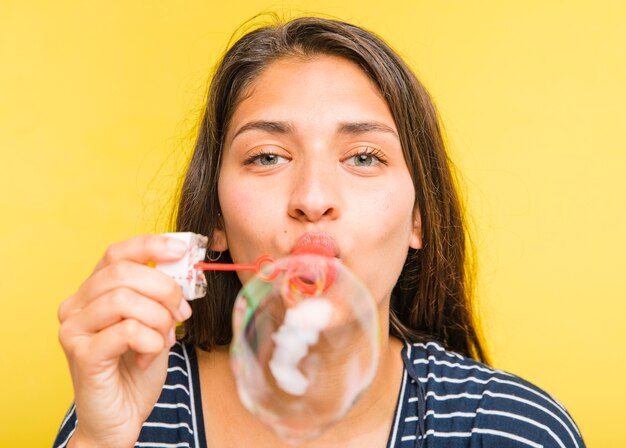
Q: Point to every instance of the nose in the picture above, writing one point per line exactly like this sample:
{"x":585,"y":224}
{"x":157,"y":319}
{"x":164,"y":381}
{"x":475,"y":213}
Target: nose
{"x":315,"y":193}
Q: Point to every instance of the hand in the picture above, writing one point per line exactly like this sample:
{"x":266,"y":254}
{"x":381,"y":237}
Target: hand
{"x":116,"y":331}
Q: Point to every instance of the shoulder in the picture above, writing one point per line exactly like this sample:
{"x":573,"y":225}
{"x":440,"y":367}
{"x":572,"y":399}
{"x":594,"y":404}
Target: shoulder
{"x":465,"y":396}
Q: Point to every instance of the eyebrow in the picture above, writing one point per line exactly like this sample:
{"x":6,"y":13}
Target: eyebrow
{"x":284,"y":127}
{"x":273,"y":127}
{"x":363,"y":127}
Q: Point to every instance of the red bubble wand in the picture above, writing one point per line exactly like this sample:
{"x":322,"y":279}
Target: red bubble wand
{"x":266,"y":270}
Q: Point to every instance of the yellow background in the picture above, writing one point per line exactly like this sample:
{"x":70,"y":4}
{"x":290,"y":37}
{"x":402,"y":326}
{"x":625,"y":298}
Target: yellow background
{"x":98,"y":102}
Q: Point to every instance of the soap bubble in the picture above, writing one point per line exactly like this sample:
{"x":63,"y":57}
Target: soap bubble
{"x":305,"y":344}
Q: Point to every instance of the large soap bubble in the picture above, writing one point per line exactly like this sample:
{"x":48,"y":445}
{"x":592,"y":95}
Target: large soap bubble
{"x":305,"y":346}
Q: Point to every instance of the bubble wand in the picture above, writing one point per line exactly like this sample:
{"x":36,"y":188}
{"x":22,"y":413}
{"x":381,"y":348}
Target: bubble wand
{"x":262,"y":262}
{"x":188,"y":272}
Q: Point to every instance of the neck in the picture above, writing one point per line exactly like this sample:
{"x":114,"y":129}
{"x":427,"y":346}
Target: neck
{"x":388,"y":374}
{"x":372,"y":415}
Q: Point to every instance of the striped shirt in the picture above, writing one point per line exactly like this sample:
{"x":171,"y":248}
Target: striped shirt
{"x":446,"y":400}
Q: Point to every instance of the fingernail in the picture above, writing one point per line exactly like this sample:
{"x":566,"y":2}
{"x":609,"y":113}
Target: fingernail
{"x":172,"y":337}
{"x":184,"y":309}
{"x":176,"y":247}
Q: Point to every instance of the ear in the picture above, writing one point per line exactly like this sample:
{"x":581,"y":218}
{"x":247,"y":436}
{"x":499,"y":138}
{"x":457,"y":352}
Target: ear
{"x":219,"y":242}
{"x":415,"y":242}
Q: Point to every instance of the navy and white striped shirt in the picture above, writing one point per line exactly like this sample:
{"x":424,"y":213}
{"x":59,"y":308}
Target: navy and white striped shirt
{"x":446,"y":400}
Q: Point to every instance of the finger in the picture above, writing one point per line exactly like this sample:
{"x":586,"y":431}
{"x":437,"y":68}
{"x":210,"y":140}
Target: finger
{"x":142,"y":279}
{"x":143,"y":249}
{"x":116,"y":340}
{"x":65,"y":309}
{"x":144,"y":360}
{"x":115,"y":306}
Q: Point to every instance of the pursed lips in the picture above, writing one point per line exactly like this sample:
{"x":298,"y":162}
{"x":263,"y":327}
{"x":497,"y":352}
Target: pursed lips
{"x":319,"y":239}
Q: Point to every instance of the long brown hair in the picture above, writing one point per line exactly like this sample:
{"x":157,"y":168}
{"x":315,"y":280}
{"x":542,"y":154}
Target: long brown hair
{"x":432,"y":299}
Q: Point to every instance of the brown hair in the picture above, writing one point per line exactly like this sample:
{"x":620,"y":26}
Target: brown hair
{"x":432,"y":298}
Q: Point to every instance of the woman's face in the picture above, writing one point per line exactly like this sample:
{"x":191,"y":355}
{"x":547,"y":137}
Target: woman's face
{"x":312,"y":153}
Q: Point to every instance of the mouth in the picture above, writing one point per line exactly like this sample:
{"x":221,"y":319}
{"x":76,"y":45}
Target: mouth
{"x":318,"y":242}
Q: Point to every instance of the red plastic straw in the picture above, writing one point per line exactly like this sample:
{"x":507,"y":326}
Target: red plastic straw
{"x":263,"y":260}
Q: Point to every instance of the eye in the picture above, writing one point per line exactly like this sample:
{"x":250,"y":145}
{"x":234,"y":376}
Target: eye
{"x":265,"y":157}
{"x":364,"y":160}
{"x":366,"y":157}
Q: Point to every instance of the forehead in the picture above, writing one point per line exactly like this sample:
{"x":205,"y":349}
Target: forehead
{"x":309,"y":68}
{"x":319,"y":89}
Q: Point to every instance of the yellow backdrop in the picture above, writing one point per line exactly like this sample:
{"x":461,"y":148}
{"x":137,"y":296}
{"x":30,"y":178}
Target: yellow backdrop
{"x":98,"y":101}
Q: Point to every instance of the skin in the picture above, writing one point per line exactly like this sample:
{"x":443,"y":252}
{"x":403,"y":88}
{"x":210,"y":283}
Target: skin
{"x":116,"y":331}
{"x":315,"y":170}
{"x":321,"y":173}
{"x":308,"y":177}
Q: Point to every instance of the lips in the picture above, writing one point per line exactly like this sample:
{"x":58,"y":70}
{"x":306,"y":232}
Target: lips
{"x":319,"y":242}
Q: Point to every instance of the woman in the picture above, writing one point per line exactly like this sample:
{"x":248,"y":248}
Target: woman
{"x":313,"y":129}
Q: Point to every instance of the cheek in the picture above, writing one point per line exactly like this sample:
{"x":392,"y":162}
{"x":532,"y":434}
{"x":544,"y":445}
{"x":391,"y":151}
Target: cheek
{"x":244,"y":200}
{"x":247,"y":220}
{"x":394,"y":225}
{"x":387,"y":232}
{"x":236,"y":204}
{"x":391,"y":211}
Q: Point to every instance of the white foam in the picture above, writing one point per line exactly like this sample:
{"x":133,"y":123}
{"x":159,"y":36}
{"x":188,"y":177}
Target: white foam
{"x":300,"y":330}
